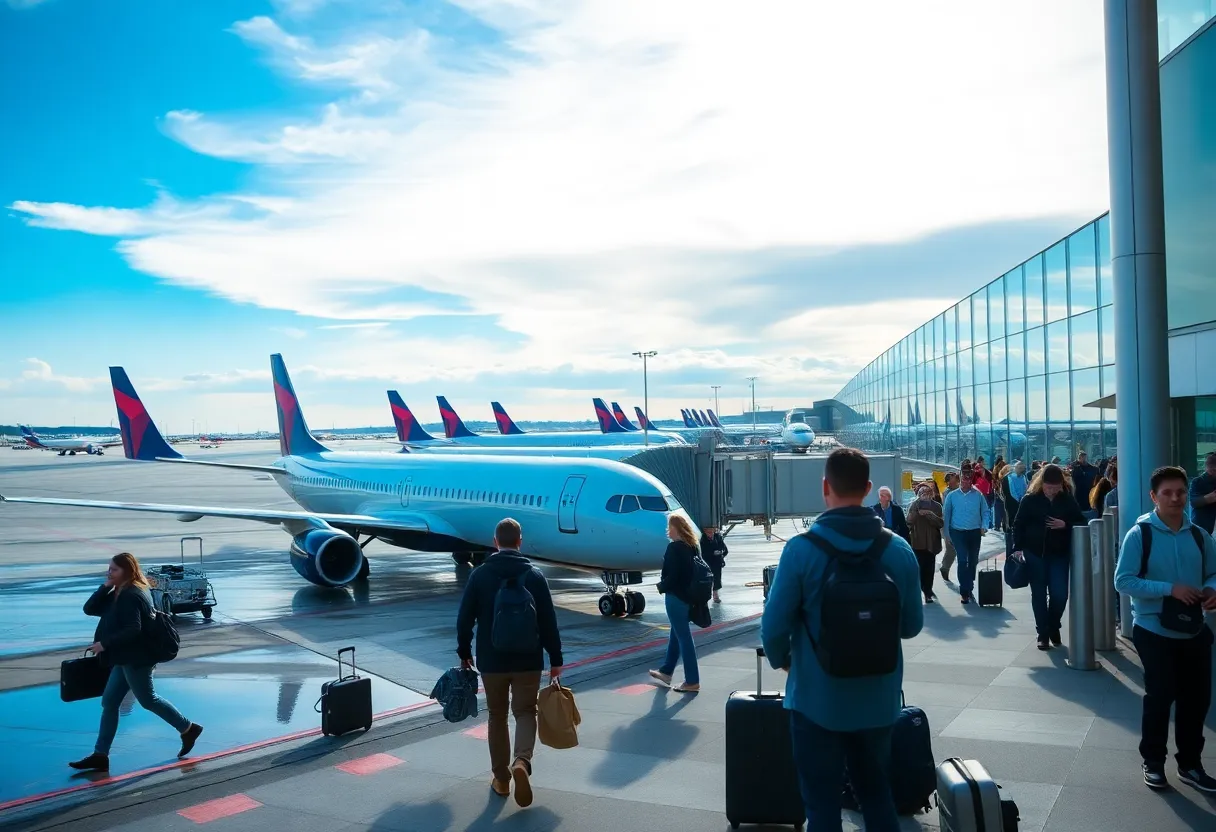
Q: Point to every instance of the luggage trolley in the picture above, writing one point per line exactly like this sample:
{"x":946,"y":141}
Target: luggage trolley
{"x":181,"y":588}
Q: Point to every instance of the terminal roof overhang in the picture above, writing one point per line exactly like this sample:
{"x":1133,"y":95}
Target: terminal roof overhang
{"x":1106,"y":402}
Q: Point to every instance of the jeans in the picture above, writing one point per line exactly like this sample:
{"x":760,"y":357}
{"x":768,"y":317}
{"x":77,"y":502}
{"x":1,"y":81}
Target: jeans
{"x":138,"y":680}
{"x":820,"y":756}
{"x":927,"y":561}
{"x":1048,"y":576}
{"x":967,"y":546}
{"x":1178,"y":672}
{"x":679,"y":643}
{"x":998,"y":513}
{"x":519,"y":692}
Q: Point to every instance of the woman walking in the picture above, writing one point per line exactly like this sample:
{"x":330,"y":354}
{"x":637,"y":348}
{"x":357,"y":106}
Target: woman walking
{"x":925,"y":524}
{"x":674,"y":583}
{"x":1042,"y":538}
{"x":124,"y":606}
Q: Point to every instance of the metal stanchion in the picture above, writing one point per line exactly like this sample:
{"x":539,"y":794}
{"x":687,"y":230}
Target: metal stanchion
{"x":1114,"y":615}
{"x":1104,"y":600}
{"x":1081,"y":603}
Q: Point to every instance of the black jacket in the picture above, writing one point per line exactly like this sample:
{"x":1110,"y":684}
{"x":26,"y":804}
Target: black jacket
{"x":121,"y":628}
{"x":1030,"y":532}
{"x":1083,"y":479}
{"x":899,"y":521}
{"x":1204,"y":515}
{"x":477,"y":609}
{"x":677,"y":570}
{"x":713,"y":550}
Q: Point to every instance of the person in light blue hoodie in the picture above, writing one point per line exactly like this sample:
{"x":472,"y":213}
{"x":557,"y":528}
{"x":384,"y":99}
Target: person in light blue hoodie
{"x":834,"y":719}
{"x":1171,"y":577}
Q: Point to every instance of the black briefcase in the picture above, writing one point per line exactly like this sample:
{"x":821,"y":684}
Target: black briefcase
{"x":346,"y":702}
{"x":83,"y":678}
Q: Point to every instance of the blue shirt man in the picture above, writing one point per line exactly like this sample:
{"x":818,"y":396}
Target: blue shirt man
{"x":965,"y":520}
{"x":1016,"y":482}
{"x":831,"y":717}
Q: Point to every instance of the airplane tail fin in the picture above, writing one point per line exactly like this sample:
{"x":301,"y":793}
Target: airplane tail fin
{"x":696,"y":417}
{"x":705,"y":419}
{"x":31,"y":438}
{"x":713,"y":419}
{"x":140,"y":438}
{"x":408,"y":427}
{"x":643,"y":419}
{"x":453,"y":425}
{"x":506,"y":425}
{"x":688,"y":422}
{"x":294,"y":437}
{"x":608,"y":422}
{"x":619,"y":414}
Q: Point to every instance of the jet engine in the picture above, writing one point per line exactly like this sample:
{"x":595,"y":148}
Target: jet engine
{"x":326,"y":557}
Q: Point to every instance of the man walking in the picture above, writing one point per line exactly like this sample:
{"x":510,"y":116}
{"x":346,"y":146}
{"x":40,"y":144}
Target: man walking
{"x":1168,"y":567}
{"x":1203,"y":495}
{"x":507,"y":599}
{"x":965,"y":516}
{"x":947,"y":544}
{"x":843,"y":714}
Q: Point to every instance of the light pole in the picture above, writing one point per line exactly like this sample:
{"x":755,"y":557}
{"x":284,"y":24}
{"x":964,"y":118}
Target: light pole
{"x":716,"y":388}
{"x":645,"y":393}
{"x":752,"y":379}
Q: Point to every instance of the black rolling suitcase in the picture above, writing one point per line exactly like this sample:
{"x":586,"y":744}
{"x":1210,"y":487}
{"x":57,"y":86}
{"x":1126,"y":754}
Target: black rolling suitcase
{"x":761,"y":780}
{"x":991,"y":585}
{"x":346,"y":702}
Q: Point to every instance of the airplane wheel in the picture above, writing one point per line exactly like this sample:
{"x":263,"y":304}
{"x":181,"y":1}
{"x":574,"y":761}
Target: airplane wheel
{"x":71,"y":453}
{"x":479,"y":558}
{"x":207,"y":613}
{"x":618,"y":604}
{"x":365,"y":569}
{"x":166,"y":605}
{"x":607,"y":607}
{"x":635,"y":603}
{"x":462,"y":558}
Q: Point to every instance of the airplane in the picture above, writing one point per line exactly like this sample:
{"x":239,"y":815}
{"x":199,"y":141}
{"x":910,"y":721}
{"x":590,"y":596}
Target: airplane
{"x":619,"y":414}
{"x":66,"y":447}
{"x":506,"y":425}
{"x":796,"y":433}
{"x":573,"y":512}
{"x":643,"y":419}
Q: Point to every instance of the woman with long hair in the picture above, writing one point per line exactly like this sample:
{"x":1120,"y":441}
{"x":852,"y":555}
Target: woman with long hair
{"x":674,"y":583}
{"x":1042,"y":537}
{"x":1097,"y":494}
{"x":124,"y":606}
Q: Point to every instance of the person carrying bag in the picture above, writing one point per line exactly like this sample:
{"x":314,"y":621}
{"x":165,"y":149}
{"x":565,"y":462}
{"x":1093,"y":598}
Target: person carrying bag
{"x":557,"y":716}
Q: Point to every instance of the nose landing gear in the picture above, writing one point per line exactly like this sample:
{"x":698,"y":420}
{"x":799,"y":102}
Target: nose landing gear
{"x":613,"y":603}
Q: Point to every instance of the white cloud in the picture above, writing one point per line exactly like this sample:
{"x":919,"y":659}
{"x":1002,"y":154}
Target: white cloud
{"x":41,"y":373}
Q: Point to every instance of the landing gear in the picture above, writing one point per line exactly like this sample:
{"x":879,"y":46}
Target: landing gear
{"x":479,"y":558}
{"x":613,"y":603}
{"x":463,"y":558}
{"x":207,"y":613}
{"x":607,"y":608}
{"x":365,"y":569}
{"x":635,"y":603}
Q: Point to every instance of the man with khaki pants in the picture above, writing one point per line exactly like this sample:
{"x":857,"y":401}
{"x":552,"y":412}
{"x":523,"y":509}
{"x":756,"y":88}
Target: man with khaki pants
{"x":507,"y":600}
{"x":948,"y":557}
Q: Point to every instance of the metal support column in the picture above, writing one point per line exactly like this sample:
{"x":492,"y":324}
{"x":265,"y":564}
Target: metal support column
{"x":1137,"y":242}
{"x":1104,"y":593}
{"x":1080,"y":603}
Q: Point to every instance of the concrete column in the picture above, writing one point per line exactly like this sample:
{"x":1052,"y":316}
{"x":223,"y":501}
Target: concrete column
{"x":1137,"y":240}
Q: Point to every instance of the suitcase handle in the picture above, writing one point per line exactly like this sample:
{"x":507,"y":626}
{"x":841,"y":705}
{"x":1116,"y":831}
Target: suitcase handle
{"x":759,"y":671}
{"x":354,"y":674}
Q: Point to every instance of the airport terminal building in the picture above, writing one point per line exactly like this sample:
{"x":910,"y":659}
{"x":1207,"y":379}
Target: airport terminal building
{"x":1024,"y":367}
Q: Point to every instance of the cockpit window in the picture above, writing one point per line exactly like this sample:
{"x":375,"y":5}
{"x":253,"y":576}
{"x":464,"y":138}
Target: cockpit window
{"x":653,"y":503}
{"x":629,"y":503}
{"x":614,"y":504}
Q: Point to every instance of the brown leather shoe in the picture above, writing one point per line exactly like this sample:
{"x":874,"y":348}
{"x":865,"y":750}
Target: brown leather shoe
{"x":523,"y":788}
{"x":502,"y":788}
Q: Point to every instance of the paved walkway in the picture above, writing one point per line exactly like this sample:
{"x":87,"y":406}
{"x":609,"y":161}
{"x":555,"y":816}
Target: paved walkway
{"x":1062,"y":742}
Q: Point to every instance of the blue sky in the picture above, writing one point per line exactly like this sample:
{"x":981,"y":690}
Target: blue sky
{"x":503,"y":200}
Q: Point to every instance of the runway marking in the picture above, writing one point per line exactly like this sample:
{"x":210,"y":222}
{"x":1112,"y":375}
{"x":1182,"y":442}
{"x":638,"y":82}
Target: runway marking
{"x":478,"y":732}
{"x":369,"y":765}
{"x":636,"y":690}
{"x":224,"y":807}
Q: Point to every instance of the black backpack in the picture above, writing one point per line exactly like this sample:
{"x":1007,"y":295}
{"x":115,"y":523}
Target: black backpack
{"x":1174,"y":615}
{"x":515,"y":625}
{"x":163,"y":640}
{"x":913,"y":767}
{"x":859,"y":612}
{"x":701,"y":585}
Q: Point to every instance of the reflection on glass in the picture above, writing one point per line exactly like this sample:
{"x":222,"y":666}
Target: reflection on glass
{"x":1083,"y":270}
{"x":1035,"y":360}
{"x":1000,"y":410}
{"x":983,"y":403}
{"x":1107,"y":323}
{"x":979,"y":316}
{"x":1086,"y":388}
{"x":1036,"y":399}
{"x":963,"y":311}
{"x":939,"y":336}
{"x":980,"y":359}
{"x":1057,"y":283}
{"x":1014,"y":319}
{"x":1032,"y":273}
{"x":1017,"y":401}
{"x":1177,"y":20}
{"x":1059,"y":400}
{"x":1057,"y":347}
{"x":1106,"y":292}
{"x":996,"y":350}
{"x":950,"y":330}
{"x":964,"y":368}
{"x":939,"y":373}
{"x":996,"y":308}
{"x":1084,"y":341}
{"x":1015,"y":356}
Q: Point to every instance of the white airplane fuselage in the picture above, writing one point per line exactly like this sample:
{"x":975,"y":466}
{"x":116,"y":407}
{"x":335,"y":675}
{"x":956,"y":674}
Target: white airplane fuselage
{"x":552,"y":439}
{"x":616,"y":452}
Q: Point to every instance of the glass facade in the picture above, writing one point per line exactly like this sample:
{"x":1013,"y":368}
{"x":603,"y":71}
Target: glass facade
{"x":1177,"y":20}
{"x":1009,"y":370}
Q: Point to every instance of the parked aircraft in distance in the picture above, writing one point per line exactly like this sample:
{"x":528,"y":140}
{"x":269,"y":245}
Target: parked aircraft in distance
{"x":618,"y":413}
{"x":67,"y":447}
{"x":594,"y":515}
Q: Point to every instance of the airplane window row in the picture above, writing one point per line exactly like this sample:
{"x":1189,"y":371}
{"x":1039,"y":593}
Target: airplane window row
{"x":463,"y":494}
{"x":627,"y":503}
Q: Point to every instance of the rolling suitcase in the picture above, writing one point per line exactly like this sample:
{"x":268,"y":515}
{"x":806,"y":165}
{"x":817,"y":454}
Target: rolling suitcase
{"x":769,"y":573}
{"x":761,"y":780}
{"x":346,"y":702}
{"x":991,"y":585}
{"x":967,"y":798}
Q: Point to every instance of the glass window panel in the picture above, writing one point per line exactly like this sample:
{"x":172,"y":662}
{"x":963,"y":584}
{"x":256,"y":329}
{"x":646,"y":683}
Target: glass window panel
{"x":1057,"y":347}
{"x":964,"y":369}
{"x":963,"y":311}
{"x":1082,"y":271}
{"x":979,"y":316}
{"x":980,"y":360}
{"x":1086,"y":388}
{"x":1033,"y":276}
{"x":1059,"y":401}
{"x":1084,"y":341}
{"x":996,"y":351}
{"x":939,"y":336}
{"x":1036,"y":399}
{"x":1015,"y":356}
{"x":939,"y":373}
{"x":1107,"y":323}
{"x":1106,"y":292}
{"x":1035,"y":360}
{"x":950,"y":330}
{"x":1017,"y":401}
{"x":983,"y":404}
{"x":1057,"y":283}
{"x":1000,"y":408}
{"x":996,"y":308}
{"x":1014,"y":301}
{"x":1108,"y":389}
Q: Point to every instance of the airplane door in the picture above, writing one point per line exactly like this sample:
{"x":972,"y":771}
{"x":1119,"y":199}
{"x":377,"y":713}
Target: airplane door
{"x":405,"y":492}
{"x":566,"y":521}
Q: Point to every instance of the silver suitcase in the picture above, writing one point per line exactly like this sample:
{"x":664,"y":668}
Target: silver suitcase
{"x":968,"y":800}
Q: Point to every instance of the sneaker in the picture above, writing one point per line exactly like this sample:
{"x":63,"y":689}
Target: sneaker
{"x":520,"y":772}
{"x":1056,"y":641}
{"x":93,"y":762}
{"x":1044,"y":643}
{"x":665,"y":678}
{"x":1196,"y":777}
{"x":965,"y":599}
{"x":1154,"y":776}
{"x":189,"y":737}
{"x":928,"y":599}
{"x":502,"y":788}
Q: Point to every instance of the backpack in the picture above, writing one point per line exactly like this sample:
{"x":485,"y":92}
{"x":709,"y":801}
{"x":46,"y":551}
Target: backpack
{"x":1174,"y":615}
{"x":913,"y":767}
{"x":701,"y":585}
{"x":515,"y":627}
{"x":163,"y":640}
{"x":859,"y":612}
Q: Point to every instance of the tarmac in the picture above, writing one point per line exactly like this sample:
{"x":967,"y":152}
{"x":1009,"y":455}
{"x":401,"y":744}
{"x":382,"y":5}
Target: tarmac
{"x":1062,"y":742}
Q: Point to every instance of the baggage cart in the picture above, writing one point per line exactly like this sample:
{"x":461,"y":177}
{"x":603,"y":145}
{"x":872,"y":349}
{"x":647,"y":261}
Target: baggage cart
{"x":178,"y":588}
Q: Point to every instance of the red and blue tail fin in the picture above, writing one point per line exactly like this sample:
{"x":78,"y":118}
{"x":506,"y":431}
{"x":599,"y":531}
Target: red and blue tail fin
{"x":140,"y":438}
{"x":409,"y":429}
{"x":643,"y":420}
{"x":294,"y":437}
{"x":713,"y":419}
{"x":31,"y":438}
{"x":453,"y":426}
{"x":506,"y":425}
{"x":623,"y":420}
{"x":608,"y":422}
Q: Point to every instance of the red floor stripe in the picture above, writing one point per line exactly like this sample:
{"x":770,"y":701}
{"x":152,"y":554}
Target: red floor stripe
{"x":478,"y":732}
{"x":369,"y":765}
{"x":636,"y":690}
{"x":224,"y":807}
{"x":658,"y":642}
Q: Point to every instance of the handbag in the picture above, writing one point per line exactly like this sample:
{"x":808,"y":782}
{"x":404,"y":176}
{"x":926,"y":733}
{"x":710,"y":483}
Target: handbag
{"x":1175,"y":615}
{"x":557,"y":716}
{"x":83,"y":678}
{"x":1016,"y":573}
